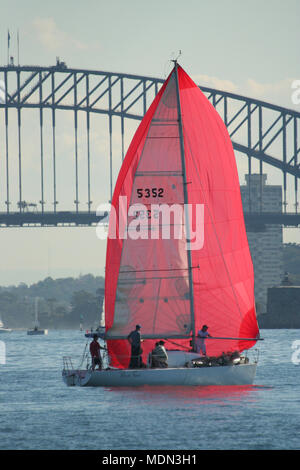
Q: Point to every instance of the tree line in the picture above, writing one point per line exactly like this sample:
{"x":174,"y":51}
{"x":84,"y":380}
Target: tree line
{"x":69,"y":302}
{"x":62,"y":303}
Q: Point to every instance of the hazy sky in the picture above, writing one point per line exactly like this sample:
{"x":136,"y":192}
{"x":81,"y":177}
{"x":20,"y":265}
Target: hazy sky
{"x":250,"y":48}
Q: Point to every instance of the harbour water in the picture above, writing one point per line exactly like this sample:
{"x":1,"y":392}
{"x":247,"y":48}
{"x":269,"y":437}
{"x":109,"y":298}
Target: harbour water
{"x":38,"y":411}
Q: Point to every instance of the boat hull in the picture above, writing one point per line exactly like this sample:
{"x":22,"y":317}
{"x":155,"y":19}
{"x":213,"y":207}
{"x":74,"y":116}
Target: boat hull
{"x":37,"y":332}
{"x":100,"y":332}
{"x":242,"y":374}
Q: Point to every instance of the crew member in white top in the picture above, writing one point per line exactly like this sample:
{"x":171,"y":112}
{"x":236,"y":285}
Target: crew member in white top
{"x":200,"y":340}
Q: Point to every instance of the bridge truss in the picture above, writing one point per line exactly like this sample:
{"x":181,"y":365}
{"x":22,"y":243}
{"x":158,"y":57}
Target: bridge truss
{"x":266,"y":135}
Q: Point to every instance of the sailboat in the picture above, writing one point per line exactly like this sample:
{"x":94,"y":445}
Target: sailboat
{"x":172,"y":275}
{"x":3,"y":329}
{"x":36,"y":330}
{"x":99,"y":330}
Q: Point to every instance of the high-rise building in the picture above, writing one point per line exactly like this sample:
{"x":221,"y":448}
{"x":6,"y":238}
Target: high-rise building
{"x":266,"y":244}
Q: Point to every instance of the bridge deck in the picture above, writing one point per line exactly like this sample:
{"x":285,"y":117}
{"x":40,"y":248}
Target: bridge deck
{"x":253,"y":220}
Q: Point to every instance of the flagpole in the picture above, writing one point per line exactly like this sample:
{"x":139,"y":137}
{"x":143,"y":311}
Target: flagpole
{"x":8,"y":41}
{"x":18,"y":48}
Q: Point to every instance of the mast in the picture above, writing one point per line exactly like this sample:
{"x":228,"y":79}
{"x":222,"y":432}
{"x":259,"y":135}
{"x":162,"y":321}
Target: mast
{"x":36,"y":323}
{"x":185,"y":194}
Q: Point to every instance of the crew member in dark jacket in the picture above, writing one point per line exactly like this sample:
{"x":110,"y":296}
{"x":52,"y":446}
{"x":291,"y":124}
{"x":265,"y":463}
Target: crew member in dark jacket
{"x":135,"y":340}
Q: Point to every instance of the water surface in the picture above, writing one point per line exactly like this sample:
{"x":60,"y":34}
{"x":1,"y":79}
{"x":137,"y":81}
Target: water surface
{"x":38,"y":411}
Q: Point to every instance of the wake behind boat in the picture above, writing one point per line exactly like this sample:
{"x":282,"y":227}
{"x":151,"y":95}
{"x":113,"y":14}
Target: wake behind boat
{"x":177,"y":252}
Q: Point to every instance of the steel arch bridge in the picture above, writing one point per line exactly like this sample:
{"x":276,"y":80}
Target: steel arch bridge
{"x":266,"y":134}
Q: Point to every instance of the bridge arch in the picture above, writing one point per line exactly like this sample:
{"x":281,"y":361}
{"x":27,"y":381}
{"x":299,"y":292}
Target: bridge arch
{"x":264,"y":133}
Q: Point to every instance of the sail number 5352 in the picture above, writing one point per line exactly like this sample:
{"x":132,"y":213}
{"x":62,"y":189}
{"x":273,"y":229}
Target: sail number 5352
{"x":150,"y":192}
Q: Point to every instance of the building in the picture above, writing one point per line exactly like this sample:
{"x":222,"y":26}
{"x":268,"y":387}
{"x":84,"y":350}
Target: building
{"x":283,"y":308}
{"x":265,"y":242}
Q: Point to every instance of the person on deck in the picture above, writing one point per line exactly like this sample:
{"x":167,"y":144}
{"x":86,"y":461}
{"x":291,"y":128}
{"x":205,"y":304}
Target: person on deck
{"x":200,"y":340}
{"x":135,"y":340}
{"x":159,"y":356}
{"x":96,"y":353}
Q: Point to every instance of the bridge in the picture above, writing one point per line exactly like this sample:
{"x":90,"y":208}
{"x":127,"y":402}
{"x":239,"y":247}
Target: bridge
{"x":52,"y":120}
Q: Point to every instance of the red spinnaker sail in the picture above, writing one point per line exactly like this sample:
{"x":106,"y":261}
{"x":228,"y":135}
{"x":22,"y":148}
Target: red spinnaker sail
{"x":147,"y":272}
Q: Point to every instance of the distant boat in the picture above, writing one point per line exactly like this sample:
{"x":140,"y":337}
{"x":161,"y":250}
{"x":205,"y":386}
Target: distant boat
{"x":100,"y":330}
{"x":36,"y":330}
{"x":2,"y":329}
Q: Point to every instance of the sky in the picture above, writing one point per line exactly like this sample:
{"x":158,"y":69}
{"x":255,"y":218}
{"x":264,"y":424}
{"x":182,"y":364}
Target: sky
{"x":249,"y":48}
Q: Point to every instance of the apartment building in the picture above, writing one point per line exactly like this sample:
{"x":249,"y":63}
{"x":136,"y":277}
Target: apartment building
{"x":266,"y":245}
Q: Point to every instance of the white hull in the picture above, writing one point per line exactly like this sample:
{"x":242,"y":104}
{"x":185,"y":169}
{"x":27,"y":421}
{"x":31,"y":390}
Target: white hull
{"x":37,"y":332}
{"x":242,"y":374}
{"x":5,"y":330}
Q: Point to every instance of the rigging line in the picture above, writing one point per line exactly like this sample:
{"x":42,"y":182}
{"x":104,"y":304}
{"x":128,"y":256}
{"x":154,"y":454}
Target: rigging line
{"x":160,"y":172}
{"x":130,"y":281}
{"x":143,"y":280}
{"x":154,"y":270}
{"x":185,"y":193}
{"x":237,"y":339}
{"x":177,"y":344}
{"x":172,"y":308}
{"x":163,"y":137}
{"x":214,"y":228}
{"x":166,"y":300}
{"x":83,"y":355}
{"x":157,"y":304}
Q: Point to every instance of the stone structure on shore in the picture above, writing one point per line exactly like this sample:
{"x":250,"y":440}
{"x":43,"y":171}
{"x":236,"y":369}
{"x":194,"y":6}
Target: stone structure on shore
{"x":283,"y":308}
{"x":266,"y":244}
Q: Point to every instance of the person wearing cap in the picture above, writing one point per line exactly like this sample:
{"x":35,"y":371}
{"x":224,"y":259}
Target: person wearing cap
{"x":159,"y":355}
{"x":200,"y":340}
{"x":95,"y":353}
{"x":135,"y":340}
